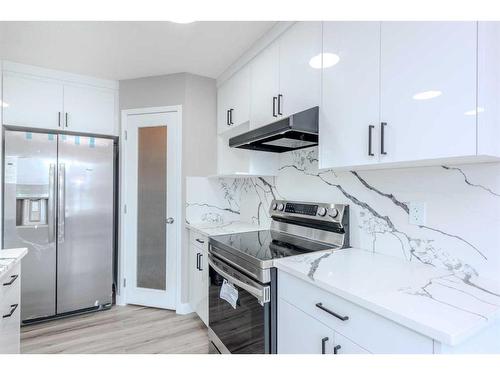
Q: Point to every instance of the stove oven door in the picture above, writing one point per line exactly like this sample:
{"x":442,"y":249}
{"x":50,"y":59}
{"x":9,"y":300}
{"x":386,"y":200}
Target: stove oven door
{"x":246,"y":327}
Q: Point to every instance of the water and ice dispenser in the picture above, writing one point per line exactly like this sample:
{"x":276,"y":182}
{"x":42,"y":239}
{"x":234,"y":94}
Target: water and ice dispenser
{"x":31,"y":211}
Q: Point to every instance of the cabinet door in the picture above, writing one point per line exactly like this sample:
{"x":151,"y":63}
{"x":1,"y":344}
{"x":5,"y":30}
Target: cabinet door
{"x":203,"y":306}
{"x":342,"y":345}
{"x":264,"y":86}
{"x":350,"y":100}
{"x":300,"y":75}
{"x":223,"y":106}
{"x":194,"y":278}
{"x":31,"y":101}
{"x":428,"y":89}
{"x":89,"y":109}
{"x":299,"y":333}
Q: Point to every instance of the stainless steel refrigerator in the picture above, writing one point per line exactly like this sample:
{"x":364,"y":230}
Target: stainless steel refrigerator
{"x":59,"y":203}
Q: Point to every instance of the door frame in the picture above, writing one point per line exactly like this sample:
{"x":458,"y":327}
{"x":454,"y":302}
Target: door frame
{"x":121,"y":290}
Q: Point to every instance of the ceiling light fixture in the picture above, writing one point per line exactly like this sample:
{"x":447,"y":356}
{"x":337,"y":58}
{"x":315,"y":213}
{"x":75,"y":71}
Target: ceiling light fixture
{"x":425,"y":95}
{"x":324,"y":60}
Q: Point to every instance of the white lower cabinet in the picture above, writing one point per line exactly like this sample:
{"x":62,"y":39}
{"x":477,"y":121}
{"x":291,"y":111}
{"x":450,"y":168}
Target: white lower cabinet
{"x":198,"y":274}
{"x":10,"y":311}
{"x":307,"y":314}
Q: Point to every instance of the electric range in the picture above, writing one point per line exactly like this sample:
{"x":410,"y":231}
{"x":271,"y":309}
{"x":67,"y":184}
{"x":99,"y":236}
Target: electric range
{"x":243,"y":280}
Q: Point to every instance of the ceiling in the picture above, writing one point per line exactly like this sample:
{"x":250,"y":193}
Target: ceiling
{"x":124,"y":50}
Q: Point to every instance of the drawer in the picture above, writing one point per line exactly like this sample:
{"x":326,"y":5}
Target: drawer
{"x":371,"y":331}
{"x":342,"y":345}
{"x":13,"y":281}
{"x":199,"y":240}
{"x":10,"y":329}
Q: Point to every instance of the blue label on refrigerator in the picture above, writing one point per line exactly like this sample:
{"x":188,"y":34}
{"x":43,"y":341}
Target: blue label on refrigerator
{"x":51,"y":137}
{"x":77,"y":140}
{"x":91,"y":142}
{"x":29,"y":135}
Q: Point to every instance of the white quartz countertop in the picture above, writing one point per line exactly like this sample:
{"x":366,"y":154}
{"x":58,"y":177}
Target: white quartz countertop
{"x":9,"y":258}
{"x":215,"y":229}
{"x":437,"y":303}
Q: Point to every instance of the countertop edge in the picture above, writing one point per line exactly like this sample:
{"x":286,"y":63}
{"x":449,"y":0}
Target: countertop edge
{"x":432,"y":333}
{"x":19,"y":254}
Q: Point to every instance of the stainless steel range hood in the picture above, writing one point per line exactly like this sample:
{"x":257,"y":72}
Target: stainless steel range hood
{"x":292,"y":133}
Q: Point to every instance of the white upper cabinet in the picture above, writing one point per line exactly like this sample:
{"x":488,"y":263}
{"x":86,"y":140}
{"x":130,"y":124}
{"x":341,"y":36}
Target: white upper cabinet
{"x":349,"y":112}
{"x":89,"y":109}
{"x":233,"y":101}
{"x":299,"y":68}
{"x":264,"y":86}
{"x":428,"y":90}
{"x":32,"y":102}
{"x":47,"y":99}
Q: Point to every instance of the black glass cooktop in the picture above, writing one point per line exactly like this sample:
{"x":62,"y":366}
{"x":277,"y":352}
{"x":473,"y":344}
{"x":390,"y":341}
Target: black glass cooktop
{"x":266,"y":245}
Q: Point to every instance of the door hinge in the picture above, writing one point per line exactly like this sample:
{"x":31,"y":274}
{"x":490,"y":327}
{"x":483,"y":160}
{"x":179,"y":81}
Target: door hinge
{"x":126,"y":135}
{"x":124,"y":208}
{"x":124,"y":282}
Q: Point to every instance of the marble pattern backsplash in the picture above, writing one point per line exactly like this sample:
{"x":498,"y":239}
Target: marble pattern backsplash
{"x":461,"y":233}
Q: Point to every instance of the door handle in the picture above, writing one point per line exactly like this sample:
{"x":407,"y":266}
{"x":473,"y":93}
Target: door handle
{"x":12,"y":279}
{"x":323,"y":345}
{"x":66,"y":119}
{"x":227,"y":118}
{"x":275,"y":98}
{"x":370,"y":130}
{"x":170,"y":220}
{"x":59,"y":119}
{"x":52,"y":203}
{"x":279,"y":104}
{"x":61,"y":214}
{"x":382,"y":138}
{"x":198,"y":261}
{"x":199,"y":266}
{"x":336,"y":349}
{"x":12,"y":310}
{"x":320,"y":306}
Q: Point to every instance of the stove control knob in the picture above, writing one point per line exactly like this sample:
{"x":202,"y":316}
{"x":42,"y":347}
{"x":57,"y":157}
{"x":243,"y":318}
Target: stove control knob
{"x":275,"y":206}
{"x":281,"y":207}
{"x":321,"y":211}
{"x":334,"y":213}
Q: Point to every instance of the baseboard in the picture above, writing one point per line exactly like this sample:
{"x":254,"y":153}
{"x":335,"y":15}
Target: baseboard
{"x":183,"y":309}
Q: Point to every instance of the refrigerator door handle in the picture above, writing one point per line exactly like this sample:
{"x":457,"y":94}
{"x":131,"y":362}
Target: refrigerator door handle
{"x":52,"y":203}
{"x":61,"y":214}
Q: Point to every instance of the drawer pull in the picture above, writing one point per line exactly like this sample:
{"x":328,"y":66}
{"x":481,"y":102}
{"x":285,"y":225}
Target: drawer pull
{"x":12,"y":279}
{"x":200,"y":241}
{"x":12,"y":310}
{"x":320,"y":306}
{"x":336,"y":349}
{"x":323,"y":345}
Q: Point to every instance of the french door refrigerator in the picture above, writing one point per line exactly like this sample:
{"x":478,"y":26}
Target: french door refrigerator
{"x":59,"y":203}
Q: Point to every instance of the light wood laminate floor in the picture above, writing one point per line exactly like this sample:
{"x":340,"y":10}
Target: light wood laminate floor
{"x":123,"y":329}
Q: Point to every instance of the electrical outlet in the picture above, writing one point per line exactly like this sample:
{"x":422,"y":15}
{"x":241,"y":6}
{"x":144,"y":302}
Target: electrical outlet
{"x":417,"y":213}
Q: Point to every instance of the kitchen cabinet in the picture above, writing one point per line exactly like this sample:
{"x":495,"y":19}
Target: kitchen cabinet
{"x":233,"y":101}
{"x":284,"y":80}
{"x":89,"y":109}
{"x":428,"y":90}
{"x":300,"y":48}
{"x":46,"y":99}
{"x":198,"y":275}
{"x":349,"y":112}
{"x":10,"y":311}
{"x":354,"y":328}
{"x":33,"y":102}
{"x":265,"y":86}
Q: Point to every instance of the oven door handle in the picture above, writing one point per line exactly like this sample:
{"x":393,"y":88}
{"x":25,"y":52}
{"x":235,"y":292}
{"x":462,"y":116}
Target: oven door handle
{"x":262,"y":294}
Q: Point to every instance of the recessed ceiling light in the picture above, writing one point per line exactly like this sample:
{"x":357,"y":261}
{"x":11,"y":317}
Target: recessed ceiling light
{"x":324,"y":60}
{"x":183,"y":20}
{"x":473,"y":112}
{"x":3,"y":104}
{"x":424,"y":95}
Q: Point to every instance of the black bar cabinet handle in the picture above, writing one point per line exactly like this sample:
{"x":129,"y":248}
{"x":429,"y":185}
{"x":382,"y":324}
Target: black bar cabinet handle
{"x":279,"y":104}
{"x":201,"y":269}
{"x":274,"y":106}
{"x":382,"y":138}
{"x":231,"y":116}
{"x":370,"y":130}
{"x":12,"y":310}
{"x":320,"y":306}
{"x":198,"y":261}
{"x":66,"y":117}
{"x":12,"y":279}
{"x":323,"y":345}
{"x":200,"y":241}
{"x":59,"y":119}
{"x":227,"y":117}
{"x":336,"y":349}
